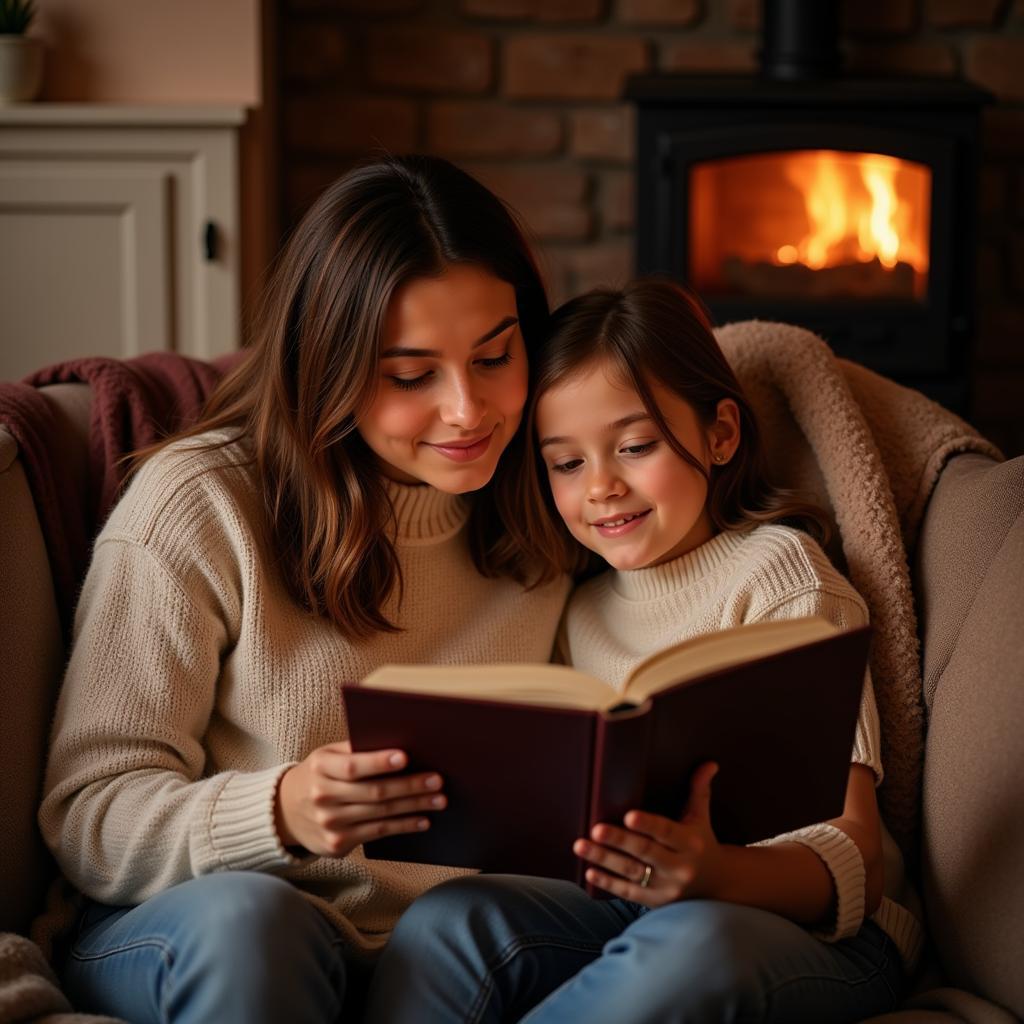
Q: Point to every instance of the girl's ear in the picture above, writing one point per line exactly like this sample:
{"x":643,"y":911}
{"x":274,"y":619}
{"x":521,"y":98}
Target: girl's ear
{"x":724,"y":433}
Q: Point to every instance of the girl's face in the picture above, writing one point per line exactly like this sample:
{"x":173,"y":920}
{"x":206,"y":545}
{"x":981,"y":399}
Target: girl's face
{"x":451,"y":381}
{"x":619,"y":487}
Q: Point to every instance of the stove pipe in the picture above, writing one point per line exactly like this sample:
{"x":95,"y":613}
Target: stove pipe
{"x":800,"y":39}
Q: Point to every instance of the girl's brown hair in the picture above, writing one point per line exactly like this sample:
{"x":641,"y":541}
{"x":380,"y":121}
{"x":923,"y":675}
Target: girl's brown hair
{"x":311,"y":373}
{"x":653,"y":329}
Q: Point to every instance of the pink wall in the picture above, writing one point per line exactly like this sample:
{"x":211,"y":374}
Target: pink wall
{"x":146,"y":51}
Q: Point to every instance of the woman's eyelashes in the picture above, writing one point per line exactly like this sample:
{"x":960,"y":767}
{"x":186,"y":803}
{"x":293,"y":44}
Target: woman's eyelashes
{"x":410,"y":383}
{"x":496,"y":361}
{"x":413,"y":383}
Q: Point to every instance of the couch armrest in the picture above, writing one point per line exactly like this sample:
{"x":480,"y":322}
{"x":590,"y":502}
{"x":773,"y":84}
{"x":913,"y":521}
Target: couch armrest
{"x":33,"y":657}
{"x":970,"y":587}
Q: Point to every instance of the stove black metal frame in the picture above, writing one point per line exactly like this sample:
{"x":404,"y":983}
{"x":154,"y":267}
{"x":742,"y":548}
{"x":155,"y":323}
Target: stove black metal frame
{"x":684,"y":121}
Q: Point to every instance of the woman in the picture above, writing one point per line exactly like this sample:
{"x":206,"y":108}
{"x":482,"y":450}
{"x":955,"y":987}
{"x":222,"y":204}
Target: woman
{"x":318,"y":522}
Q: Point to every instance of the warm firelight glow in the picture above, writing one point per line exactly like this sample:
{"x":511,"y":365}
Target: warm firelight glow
{"x":853,"y":211}
{"x":812,"y":224}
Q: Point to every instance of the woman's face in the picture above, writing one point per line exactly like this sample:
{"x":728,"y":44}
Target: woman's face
{"x":451,"y":380}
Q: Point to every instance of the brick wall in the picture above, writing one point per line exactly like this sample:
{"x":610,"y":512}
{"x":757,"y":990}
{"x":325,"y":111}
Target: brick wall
{"x":525,"y":94}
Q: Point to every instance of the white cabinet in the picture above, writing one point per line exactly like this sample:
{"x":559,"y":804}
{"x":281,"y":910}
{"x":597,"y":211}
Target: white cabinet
{"x":119,"y":232}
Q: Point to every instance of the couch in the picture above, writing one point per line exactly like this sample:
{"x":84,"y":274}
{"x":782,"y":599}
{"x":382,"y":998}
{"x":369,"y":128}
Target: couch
{"x":968,"y":582}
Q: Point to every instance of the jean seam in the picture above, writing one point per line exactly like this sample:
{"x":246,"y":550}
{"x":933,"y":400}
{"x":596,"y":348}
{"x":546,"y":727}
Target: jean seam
{"x":506,"y":955}
{"x":165,"y":950}
{"x":878,"y":971}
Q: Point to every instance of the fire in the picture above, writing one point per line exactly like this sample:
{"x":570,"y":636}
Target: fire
{"x":854,"y":212}
{"x":811,"y":225}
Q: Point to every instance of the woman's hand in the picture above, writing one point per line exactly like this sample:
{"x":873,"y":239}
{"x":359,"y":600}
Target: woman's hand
{"x":334,"y":799}
{"x":683,"y":855}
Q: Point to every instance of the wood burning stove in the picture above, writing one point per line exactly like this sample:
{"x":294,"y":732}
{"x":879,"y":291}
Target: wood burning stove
{"x":846,"y":205}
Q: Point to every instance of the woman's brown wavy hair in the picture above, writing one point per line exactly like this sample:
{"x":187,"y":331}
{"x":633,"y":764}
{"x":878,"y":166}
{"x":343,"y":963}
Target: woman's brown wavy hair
{"x":652,"y":330}
{"x":311,"y":373}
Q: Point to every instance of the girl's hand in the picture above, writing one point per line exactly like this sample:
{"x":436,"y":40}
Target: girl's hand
{"x":683,"y":855}
{"x":331,"y":802}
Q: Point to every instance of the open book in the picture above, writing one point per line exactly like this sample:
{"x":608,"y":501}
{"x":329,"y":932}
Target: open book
{"x":533,"y":755}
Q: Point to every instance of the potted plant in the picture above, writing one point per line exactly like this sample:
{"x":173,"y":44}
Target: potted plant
{"x":21,"y":57}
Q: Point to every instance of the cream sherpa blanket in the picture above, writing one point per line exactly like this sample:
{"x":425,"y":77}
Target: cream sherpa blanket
{"x":870,"y":451}
{"x":29,"y":990}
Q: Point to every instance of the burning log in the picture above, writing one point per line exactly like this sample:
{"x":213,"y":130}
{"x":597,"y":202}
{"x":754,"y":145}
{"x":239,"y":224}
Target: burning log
{"x":860,"y":280}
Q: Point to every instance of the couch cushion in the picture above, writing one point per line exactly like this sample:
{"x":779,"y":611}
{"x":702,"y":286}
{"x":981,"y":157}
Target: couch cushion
{"x":971,"y":590}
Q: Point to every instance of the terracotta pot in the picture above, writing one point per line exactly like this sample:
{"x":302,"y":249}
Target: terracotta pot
{"x":21,"y":68}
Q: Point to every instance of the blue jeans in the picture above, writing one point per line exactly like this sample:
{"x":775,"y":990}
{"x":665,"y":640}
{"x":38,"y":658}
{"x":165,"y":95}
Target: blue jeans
{"x":238,"y":946}
{"x":505,"y":948}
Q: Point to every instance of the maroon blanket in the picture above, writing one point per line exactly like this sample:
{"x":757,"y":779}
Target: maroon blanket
{"x":134,"y":403}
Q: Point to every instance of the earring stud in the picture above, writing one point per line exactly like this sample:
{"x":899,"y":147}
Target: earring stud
{"x":718,"y":458}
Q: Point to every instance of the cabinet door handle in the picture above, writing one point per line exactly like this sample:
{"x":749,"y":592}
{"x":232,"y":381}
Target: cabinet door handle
{"x":210,"y":241}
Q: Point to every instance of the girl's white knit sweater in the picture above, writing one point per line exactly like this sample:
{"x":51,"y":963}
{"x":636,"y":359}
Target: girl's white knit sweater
{"x":195,"y":681}
{"x":773,"y":572}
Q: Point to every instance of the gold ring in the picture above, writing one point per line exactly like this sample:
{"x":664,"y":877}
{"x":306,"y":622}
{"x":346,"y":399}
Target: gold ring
{"x":646,"y":880}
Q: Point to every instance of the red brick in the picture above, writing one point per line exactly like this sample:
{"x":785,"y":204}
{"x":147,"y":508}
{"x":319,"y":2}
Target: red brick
{"x":431,"y":60}
{"x":608,"y":133}
{"x":660,"y":12}
{"x":878,"y":17}
{"x":552,"y":260}
{"x":901,"y":58}
{"x":709,"y":56}
{"x":997,"y":63}
{"x":521,"y":183}
{"x":314,"y":51}
{"x":486,"y":129}
{"x":327,"y":124}
{"x":872,"y":17}
{"x":304,"y":181}
{"x":552,"y":201}
{"x":357,"y":6}
{"x":1002,"y":131}
{"x":609,"y":265}
{"x":962,"y":13}
{"x":535,"y":10}
{"x":572,"y":66}
{"x":618,"y":200}
{"x":745,"y":15}
{"x":579,"y":268}
{"x":556,"y":221}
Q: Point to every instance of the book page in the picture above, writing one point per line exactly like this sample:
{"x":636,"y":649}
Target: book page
{"x":540,"y":684}
{"x":713,"y":651}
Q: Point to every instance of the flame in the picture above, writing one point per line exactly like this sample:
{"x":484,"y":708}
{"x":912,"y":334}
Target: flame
{"x":853,"y":211}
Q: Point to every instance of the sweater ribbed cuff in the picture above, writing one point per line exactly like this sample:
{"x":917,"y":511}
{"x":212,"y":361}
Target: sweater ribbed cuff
{"x":241,"y":833}
{"x":905,"y":931}
{"x":845,"y":864}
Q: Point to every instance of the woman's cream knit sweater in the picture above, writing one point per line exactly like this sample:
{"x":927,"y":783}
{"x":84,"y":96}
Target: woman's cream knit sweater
{"x":195,"y":681}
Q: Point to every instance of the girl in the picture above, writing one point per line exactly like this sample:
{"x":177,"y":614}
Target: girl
{"x":334,"y":510}
{"x":653,"y":462}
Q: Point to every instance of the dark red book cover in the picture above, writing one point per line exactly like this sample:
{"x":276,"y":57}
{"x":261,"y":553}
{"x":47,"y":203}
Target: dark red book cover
{"x":517,"y":778}
{"x":523,"y":781}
